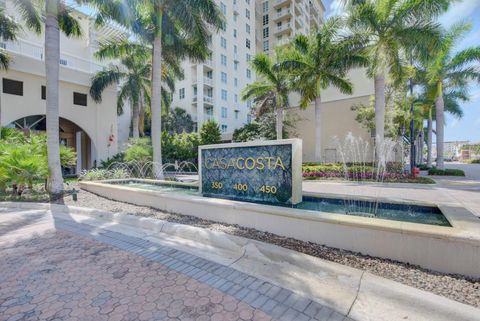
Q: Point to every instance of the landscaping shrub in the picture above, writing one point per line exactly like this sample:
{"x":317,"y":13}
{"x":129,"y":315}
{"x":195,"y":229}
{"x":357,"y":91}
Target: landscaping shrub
{"x":423,"y":167}
{"x":23,"y":160}
{"x":139,"y":150}
{"x":117,"y":158}
{"x":446,"y":172}
{"x":474,"y":161}
{"x":98,"y":174}
{"x":210,"y":133}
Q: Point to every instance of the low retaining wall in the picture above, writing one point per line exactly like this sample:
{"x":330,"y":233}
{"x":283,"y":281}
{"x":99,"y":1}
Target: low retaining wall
{"x":453,"y":249}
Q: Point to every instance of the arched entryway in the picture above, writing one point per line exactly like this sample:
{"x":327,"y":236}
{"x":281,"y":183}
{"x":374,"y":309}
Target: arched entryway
{"x":71,"y":135}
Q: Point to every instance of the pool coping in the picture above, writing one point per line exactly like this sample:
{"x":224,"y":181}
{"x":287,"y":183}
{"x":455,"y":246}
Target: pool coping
{"x":461,"y":219}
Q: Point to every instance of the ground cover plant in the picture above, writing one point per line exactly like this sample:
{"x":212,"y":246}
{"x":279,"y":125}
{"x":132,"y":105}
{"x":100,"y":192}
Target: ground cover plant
{"x":445,"y":172}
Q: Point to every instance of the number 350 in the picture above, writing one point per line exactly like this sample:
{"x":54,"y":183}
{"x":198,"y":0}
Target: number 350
{"x":217,"y":185}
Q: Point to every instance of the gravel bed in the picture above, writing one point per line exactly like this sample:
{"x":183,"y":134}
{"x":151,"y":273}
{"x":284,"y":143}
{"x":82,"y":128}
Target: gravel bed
{"x":454,"y":287}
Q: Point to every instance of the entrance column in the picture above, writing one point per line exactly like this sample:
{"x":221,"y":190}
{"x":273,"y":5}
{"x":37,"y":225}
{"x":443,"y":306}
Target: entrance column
{"x":78,"y":148}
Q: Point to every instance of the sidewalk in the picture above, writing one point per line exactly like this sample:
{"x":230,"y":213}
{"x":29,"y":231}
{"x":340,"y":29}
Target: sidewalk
{"x":309,"y":285}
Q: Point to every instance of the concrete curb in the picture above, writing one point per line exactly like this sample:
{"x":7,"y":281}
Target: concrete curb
{"x":358,"y":294}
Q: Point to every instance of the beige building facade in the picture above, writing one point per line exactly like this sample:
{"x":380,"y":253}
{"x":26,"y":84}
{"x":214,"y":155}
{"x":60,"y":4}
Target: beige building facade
{"x":337,"y":121}
{"x":88,"y":127}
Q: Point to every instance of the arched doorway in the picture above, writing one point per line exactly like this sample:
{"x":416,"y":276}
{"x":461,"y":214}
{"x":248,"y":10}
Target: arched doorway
{"x":71,"y":135}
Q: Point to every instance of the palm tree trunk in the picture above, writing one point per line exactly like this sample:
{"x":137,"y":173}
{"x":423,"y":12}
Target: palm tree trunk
{"x":420,"y":147}
{"x":318,"y":129}
{"x":439,"y":123}
{"x":429,"y":139}
{"x":1,"y":91}
{"x":52,"y":58}
{"x":141,"y":118}
{"x":279,"y":124}
{"x":379,"y":113}
{"x":135,"y":120}
{"x":157,"y":105}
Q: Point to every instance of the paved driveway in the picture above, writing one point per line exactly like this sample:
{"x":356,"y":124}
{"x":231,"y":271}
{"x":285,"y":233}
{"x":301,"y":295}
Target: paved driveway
{"x":55,"y":269}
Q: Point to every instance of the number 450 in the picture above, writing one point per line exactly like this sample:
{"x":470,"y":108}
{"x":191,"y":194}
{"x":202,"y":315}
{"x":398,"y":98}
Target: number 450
{"x":268,"y":189}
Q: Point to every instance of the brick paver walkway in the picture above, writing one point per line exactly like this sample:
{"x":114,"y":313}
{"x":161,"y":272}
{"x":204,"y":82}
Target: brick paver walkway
{"x":69,"y":271}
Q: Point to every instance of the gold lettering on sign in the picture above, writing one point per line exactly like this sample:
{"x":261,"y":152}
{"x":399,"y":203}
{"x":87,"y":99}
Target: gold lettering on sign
{"x":250,"y":163}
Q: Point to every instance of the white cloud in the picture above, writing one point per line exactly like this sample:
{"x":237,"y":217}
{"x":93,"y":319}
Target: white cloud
{"x":459,"y":11}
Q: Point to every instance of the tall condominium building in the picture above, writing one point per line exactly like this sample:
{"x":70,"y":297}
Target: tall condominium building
{"x":211,"y":90}
{"x":279,"y":20}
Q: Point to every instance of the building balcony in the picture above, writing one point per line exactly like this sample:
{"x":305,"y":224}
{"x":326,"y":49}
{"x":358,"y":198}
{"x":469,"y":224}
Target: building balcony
{"x":206,"y":81}
{"x":35,"y":51}
{"x":280,"y":3}
{"x":283,"y":29}
{"x":235,"y":57}
{"x":206,"y":100}
{"x":283,"y":14}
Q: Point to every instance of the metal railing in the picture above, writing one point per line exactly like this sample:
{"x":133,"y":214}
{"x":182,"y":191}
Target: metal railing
{"x":35,"y":51}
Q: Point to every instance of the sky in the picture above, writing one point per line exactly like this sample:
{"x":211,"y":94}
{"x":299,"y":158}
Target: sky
{"x":467,"y":128}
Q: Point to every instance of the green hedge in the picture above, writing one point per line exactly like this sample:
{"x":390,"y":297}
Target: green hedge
{"x":310,"y":167}
{"x":446,"y":172}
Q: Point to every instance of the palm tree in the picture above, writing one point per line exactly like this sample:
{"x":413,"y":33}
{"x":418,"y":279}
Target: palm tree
{"x":134,"y":77}
{"x":133,"y":74}
{"x":392,"y":29}
{"x":8,"y":31}
{"x":56,"y":16}
{"x":176,"y":29}
{"x":271,"y":90}
{"x":450,"y":69}
{"x":320,"y":61}
{"x":452,"y":99}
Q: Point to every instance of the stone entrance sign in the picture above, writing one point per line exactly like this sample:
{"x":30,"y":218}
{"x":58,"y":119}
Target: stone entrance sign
{"x":263,"y":171}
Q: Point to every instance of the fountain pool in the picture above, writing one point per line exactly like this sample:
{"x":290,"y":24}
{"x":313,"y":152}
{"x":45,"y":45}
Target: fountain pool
{"x":372,"y":209}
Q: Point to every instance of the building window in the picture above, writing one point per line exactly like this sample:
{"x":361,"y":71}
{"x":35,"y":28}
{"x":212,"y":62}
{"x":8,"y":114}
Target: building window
{"x":265,"y":6}
{"x":234,"y":33}
{"x":249,"y":57}
{"x":266,"y":32}
{"x":224,"y":94}
{"x":249,"y":73}
{"x":224,"y":77}
{"x":235,"y":65}
{"x":223,"y":43}
{"x":247,"y":13}
{"x":181,"y":93}
{"x":43,"y":92}
{"x":235,"y":98}
{"x":236,"y":114}
{"x":224,"y":112}
{"x":265,"y":20}
{"x":12,"y":87}
{"x":247,"y":1}
{"x":223,"y":60}
{"x":235,"y":49}
{"x":235,"y":81}
{"x":224,"y":128}
{"x":247,"y":28}
{"x":247,"y":43}
{"x":223,"y":7}
{"x":266,"y":46}
{"x":79,"y":99}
